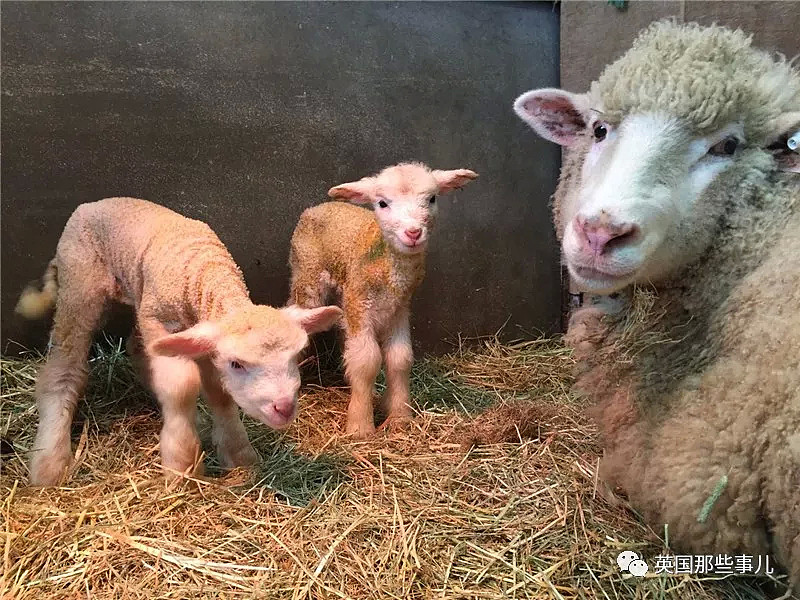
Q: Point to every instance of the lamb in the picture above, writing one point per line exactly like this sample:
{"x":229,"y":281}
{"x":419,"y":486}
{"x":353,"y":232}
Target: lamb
{"x":371,"y":263}
{"x":195,"y":323}
{"x":678,"y":195}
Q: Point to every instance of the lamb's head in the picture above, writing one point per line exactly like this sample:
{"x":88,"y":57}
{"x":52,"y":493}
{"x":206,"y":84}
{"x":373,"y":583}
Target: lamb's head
{"x":254,"y":351}
{"x":404,"y":199}
{"x":659,"y":148}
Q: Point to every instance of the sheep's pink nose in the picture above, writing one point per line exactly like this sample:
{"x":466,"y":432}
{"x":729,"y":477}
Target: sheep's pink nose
{"x":413,"y":233}
{"x":284,"y":406}
{"x":596,"y":233}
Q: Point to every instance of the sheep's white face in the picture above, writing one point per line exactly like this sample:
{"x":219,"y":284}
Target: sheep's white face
{"x":404,"y":198}
{"x":631,"y":217}
{"x":635,"y":211}
{"x":254,"y":353}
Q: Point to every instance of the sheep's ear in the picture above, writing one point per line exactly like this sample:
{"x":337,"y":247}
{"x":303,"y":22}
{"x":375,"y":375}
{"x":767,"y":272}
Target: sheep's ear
{"x":360,"y":192}
{"x":314,"y":320}
{"x":554,"y":114}
{"x":453,"y":180}
{"x":194,"y":342}
{"x":784,"y":128}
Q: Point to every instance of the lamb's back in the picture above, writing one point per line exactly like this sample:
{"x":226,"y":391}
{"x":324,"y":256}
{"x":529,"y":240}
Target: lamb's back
{"x":334,"y":236}
{"x":148,"y":248}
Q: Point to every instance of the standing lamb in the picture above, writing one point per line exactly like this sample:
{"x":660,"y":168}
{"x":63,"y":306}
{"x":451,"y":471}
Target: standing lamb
{"x":676,"y":193}
{"x":371,"y":262}
{"x":197,"y":324}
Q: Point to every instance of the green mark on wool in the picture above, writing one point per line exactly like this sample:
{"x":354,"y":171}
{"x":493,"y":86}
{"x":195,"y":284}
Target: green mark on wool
{"x":712,"y":499}
{"x":377,"y":250}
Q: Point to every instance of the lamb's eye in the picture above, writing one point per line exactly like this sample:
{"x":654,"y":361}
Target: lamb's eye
{"x":726,"y":147}
{"x":600,"y":132}
{"x":383,"y":204}
{"x":237,"y":366}
{"x":432,"y":200}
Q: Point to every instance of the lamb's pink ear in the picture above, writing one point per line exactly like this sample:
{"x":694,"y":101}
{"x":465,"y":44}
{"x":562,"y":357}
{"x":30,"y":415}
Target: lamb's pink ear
{"x":453,"y":180}
{"x":786,"y":127}
{"x":194,"y":342}
{"x":360,"y":192}
{"x":554,"y":114}
{"x":314,"y":320}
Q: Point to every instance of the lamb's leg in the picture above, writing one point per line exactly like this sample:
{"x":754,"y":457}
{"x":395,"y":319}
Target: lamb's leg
{"x":175,"y":381}
{"x":136,"y":355}
{"x":310,"y":288}
{"x":362,"y":358}
{"x":227,"y":431}
{"x":399,"y":357}
{"x":61,"y":383}
{"x":310,"y":284}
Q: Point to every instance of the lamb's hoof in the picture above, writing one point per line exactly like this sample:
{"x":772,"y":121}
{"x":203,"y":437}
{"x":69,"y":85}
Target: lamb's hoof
{"x":246,"y":456}
{"x":174,"y":473}
{"x":396,"y":424}
{"x":49,"y":470}
{"x":394,"y":407}
{"x":360,"y":430}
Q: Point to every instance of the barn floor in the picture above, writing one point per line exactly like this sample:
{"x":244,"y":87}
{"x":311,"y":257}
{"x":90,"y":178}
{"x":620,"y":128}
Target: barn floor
{"x":468,"y":503}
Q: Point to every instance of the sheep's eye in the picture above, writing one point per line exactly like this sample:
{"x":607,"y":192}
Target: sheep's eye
{"x":383,"y":204}
{"x":726,"y":147}
{"x":432,"y":200}
{"x":600,"y":132}
{"x":237,"y":366}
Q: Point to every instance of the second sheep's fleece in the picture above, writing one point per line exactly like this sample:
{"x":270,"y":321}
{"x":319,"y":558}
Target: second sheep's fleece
{"x":677,"y":193}
{"x":196,"y":326}
{"x":370,"y":262}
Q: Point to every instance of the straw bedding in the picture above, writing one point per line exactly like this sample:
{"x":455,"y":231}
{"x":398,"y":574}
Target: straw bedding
{"x":491,"y":493}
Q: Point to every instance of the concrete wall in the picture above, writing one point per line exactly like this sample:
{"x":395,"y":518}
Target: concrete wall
{"x":596,"y":33}
{"x":244,"y":114}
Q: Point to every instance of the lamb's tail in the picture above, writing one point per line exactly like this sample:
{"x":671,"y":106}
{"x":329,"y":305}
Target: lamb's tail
{"x":33,"y":303}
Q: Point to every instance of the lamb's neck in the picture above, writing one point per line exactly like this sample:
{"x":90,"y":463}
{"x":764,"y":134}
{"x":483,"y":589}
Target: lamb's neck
{"x":218,"y":289}
{"x":406,"y":272}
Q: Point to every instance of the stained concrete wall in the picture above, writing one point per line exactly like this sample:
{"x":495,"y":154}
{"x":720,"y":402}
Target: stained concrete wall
{"x":244,"y":114}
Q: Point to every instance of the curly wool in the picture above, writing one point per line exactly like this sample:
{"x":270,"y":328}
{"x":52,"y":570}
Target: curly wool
{"x":706,"y":76}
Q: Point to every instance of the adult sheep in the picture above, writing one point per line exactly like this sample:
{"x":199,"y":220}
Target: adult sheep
{"x":680,"y":196}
